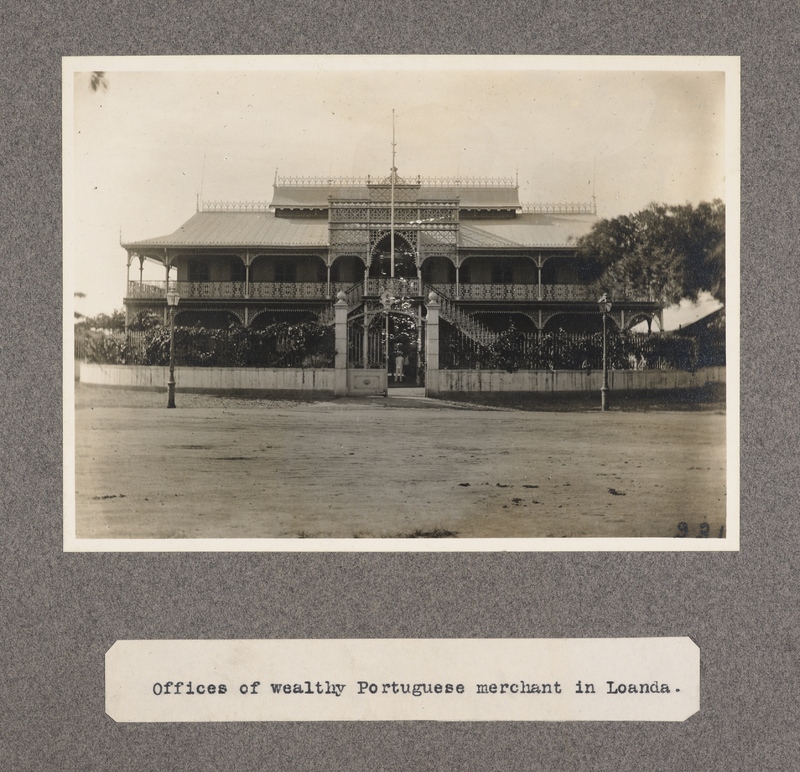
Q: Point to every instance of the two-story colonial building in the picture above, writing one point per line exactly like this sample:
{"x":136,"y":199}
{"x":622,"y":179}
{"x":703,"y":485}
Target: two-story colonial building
{"x":490,"y":260}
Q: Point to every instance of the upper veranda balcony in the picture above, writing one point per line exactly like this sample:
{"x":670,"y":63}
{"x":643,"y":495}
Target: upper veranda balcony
{"x":322,"y":291}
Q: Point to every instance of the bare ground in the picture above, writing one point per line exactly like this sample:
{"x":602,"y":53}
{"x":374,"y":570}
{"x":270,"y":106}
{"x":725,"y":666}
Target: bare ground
{"x":219,"y":467}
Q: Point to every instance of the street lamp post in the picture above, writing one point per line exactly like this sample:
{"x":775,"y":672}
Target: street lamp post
{"x":386,"y":301}
{"x":172,"y":301}
{"x":605,"y":306}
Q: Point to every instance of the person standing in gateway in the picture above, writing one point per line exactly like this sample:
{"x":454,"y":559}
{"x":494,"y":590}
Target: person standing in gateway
{"x":399,"y":363}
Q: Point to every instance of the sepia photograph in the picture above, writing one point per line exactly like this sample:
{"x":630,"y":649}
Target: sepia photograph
{"x":385,"y":303}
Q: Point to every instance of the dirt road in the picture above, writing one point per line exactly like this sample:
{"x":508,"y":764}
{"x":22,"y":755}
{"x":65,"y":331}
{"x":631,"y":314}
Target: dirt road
{"x":261,"y":469}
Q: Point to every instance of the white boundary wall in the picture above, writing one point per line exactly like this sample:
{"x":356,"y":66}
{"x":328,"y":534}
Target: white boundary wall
{"x":322,"y":379}
{"x":223,"y":378}
{"x":574,"y":380}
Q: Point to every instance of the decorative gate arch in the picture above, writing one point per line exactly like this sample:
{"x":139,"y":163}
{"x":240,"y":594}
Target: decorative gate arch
{"x":376,"y":338}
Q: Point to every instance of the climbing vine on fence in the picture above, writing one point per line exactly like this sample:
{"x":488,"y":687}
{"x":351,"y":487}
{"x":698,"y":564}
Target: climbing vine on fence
{"x":306,"y":344}
{"x":517,"y":350}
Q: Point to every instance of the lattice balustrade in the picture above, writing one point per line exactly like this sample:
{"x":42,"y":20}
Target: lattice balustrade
{"x":499,"y":292}
{"x":209,"y":289}
{"x":148,"y":289}
{"x":288,"y":290}
{"x":398,"y":288}
{"x":567,"y":292}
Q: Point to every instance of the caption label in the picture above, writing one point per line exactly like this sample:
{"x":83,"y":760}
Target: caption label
{"x":584,"y":679}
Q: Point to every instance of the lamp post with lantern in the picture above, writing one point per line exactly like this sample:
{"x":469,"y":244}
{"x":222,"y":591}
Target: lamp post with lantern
{"x":387,"y":300}
{"x":604,"y":305}
{"x":172,"y":302}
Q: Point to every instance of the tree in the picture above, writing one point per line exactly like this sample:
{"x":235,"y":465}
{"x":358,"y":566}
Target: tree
{"x":77,"y":314}
{"x":116,"y":321}
{"x":667,"y":252}
{"x":98,"y":81}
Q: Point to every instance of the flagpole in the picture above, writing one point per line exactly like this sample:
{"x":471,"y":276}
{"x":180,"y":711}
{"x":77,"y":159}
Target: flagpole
{"x":391,"y":232}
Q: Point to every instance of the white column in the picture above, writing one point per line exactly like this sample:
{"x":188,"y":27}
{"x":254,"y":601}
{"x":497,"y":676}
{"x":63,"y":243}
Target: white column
{"x":432,"y":347}
{"x":340,"y":360}
{"x":539,"y":270}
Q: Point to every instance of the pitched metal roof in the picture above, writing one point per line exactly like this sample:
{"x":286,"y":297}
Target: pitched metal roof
{"x":264,"y":229}
{"x":525,"y":230}
{"x":242,"y":229}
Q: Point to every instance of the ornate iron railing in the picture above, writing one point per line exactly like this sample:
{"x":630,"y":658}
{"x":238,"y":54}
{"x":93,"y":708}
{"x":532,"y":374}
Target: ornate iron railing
{"x":320,"y":182}
{"x":490,"y":291}
{"x":460,"y":319}
{"x":286,"y":290}
{"x":559,"y":208}
{"x":530,"y":292}
{"x":223,"y":290}
{"x":209,"y":289}
{"x":353,"y":294}
{"x":234,"y":206}
{"x":431,"y":182}
{"x":147,"y":289}
{"x":467,"y":182}
{"x":399,"y":288}
{"x":227,"y":290}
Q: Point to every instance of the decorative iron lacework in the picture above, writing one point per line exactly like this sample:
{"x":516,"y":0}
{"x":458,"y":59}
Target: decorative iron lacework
{"x":432,"y":182}
{"x":376,"y":235}
{"x":560,"y":208}
{"x":402,"y":193}
{"x":412,"y":212}
{"x":349,"y":213}
{"x":279,"y":290}
{"x":147,"y":289}
{"x":467,"y":182}
{"x":234,"y":206}
{"x":320,"y":182}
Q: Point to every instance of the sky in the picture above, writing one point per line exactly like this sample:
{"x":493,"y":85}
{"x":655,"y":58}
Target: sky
{"x":139,"y":152}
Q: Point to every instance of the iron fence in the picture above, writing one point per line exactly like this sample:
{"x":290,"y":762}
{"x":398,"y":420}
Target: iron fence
{"x":515,"y":350}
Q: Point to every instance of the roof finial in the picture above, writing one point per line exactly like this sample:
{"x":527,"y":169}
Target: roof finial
{"x":275,"y":183}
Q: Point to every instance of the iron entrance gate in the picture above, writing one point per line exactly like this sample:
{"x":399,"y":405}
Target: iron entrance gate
{"x":368,"y":370}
